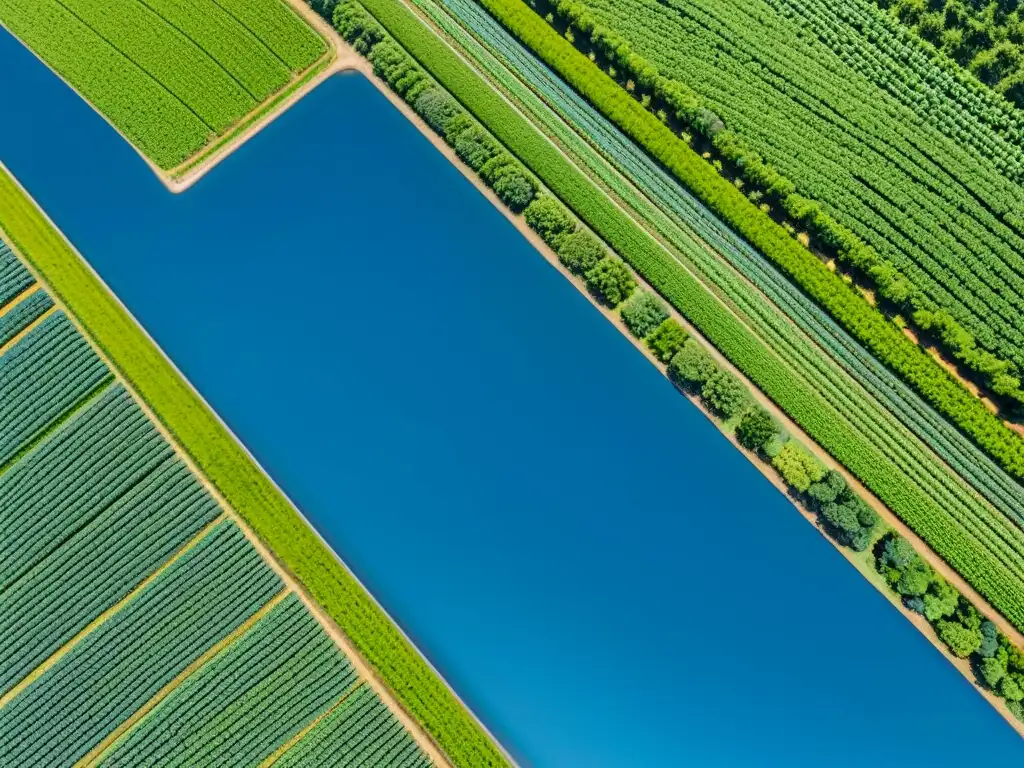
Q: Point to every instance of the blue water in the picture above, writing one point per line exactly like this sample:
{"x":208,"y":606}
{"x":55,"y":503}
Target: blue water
{"x":591,"y":565}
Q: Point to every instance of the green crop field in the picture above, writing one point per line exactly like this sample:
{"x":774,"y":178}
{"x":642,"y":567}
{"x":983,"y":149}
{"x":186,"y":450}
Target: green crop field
{"x":172,"y":75}
{"x":907,"y":172}
{"x":140,"y":625}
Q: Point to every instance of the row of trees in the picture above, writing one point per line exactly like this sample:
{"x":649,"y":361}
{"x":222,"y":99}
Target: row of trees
{"x":997,"y":663}
{"x":672,"y":101}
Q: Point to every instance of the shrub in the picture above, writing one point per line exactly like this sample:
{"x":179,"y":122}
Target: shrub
{"x":475,"y":147}
{"x":643,"y":313}
{"x":515,"y":189}
{"x":667,"y":339}
{"x":610,"y":281}
{"x":915,"y":579}
{"x":1010,"y":689}
{"x":940,"y":601}
{"x":691,"y":366}
{"x":549,"y":219}
{"x":989,"y":639}
{"x":436,"y":107}
{"x":961,"y":640}
{"x":992,"y":671}
{"x":581,"y":251}
{"x":725,"y":395}
{"x":797,"y":466}
{"x":827,"y":490}
{"x":757,"y":428}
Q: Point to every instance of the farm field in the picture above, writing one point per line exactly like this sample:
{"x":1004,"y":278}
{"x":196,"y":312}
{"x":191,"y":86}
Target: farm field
{"x":141,"y":625}
{"x":921,"y":196}
{"x":171,"y":75}
{"x":984,"y":37}
{"x":143,"y":530}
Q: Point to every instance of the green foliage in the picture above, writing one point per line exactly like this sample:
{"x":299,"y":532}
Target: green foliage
{"x":863,"y":321}
{"x":434,"y":105}
{"x":797,"y":466}
{"x":1010,"y":688}
{"x":691,"y":366}
{"x":667,"y":339}
{"x":475,"y":147}
{"x":959,"y":639}
{"x":940,"y":601}
{"x":831,"y":488}
{"x":643,"y":313}
{"x":757,"y":429}
{"x":610,"y":281}
{"x":549,"y":219}
{"x":992,"y":671}
{"x":725,"y":395}
{"x":989,"y":640}
{"x":897,"y":552}
{"x":580,"y":252}
{"x":515,"y":189}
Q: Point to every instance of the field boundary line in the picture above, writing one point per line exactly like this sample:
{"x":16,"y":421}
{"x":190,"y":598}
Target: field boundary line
{"x":10,"y":305}
{"x":5,"y":348}
{"x":89,"y":628}
{"x":280,"y":752}
{"x":114,"y":736}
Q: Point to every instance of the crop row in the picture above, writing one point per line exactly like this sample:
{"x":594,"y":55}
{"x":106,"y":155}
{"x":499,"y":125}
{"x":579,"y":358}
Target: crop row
{"x":176,"y":62}
{"x":14,"y":278}
{"x":838,"y":135}
{"x":24,"y":314}
{"x":243,"y":56}
{"x":280,"y":29}
{"x":688,"y":224}
{"x":91,"y":564}
{"x":148,"y":114}
{"x":42,"y":376}
{"x":805,"y":405}
{"x":864,"y":322}
{"x":98,"y":455}
{"x":359,"y":731}
{"x":245,"y":702}
{"x":100,"y":683}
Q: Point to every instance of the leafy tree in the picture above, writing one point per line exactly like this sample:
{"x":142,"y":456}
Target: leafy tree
{"x":436,"y":107}
{"x":643,"y":313}
{"x":757,"y":428}
{"x":475,"y":147}
{"x":1010,"y":689}
{"x":581,"y":251}
{"x":897,"y":552}
{"x":989,"y":639}
{"x":610,"y":281}
{"x":915,"y":579}
{"x":798,"y":467}
{"x":969,"y":616}
{"x":549,"y":219}
{"x":826,"y":490}
{"x":691,"y":366}
{"x":940,"y":601}
{"x":992,"y":671}
{"x":667,"y":339}
{"x":515,"y":189}
{"x":915,"y":604}
{"x":959,"y":639}
{"x":725,"y":395}
{"x":866,"y":515}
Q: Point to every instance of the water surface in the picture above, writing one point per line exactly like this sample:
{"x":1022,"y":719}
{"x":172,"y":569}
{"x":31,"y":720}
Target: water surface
{"x":589,"y":562}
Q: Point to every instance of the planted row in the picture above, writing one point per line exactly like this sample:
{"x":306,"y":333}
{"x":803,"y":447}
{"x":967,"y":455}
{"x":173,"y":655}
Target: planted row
{"x":100,"y":683}
{"x":247,"y":701}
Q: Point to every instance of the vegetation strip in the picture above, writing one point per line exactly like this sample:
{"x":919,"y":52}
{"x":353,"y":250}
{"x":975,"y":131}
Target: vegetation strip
{"x":864,"y":322}
{"x":171,"y":75}
{"x":245,"y":487}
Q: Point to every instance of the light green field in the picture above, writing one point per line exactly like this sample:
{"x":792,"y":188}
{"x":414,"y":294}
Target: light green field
{"x":171,"y":75}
